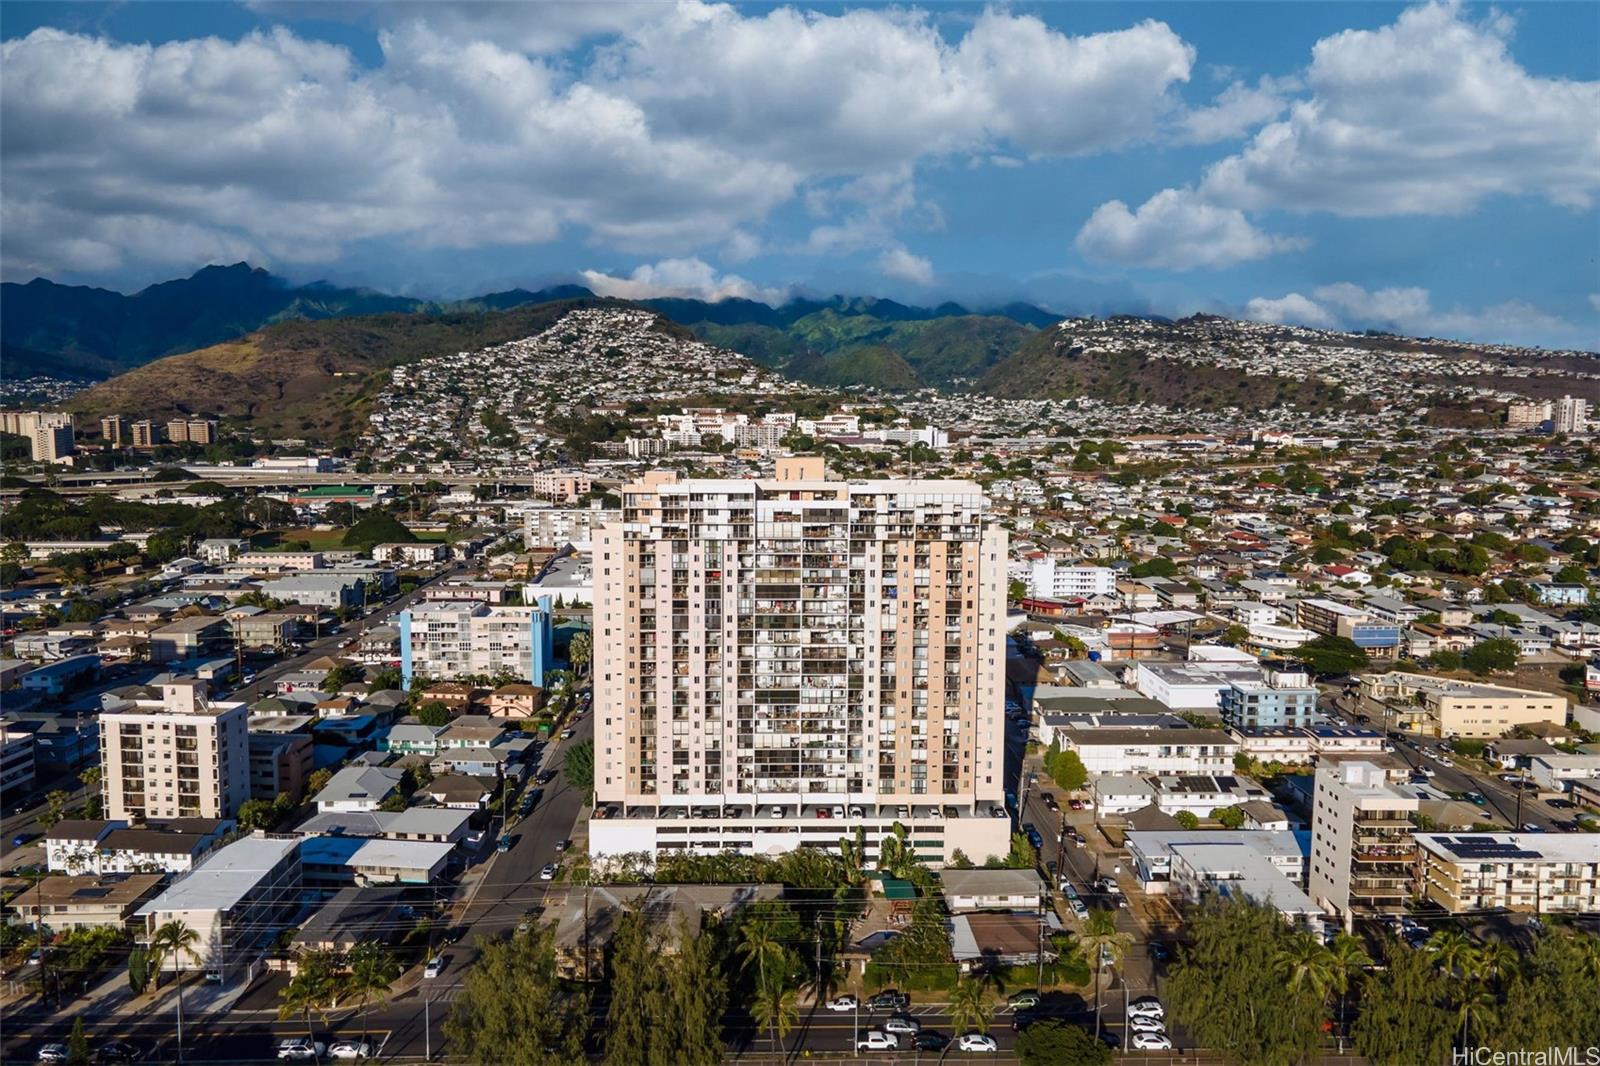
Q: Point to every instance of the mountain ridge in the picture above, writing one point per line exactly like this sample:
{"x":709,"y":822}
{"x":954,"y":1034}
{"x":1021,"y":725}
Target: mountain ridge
{"x":90,"y":332}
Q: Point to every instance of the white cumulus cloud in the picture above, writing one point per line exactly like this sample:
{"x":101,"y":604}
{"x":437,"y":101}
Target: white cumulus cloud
{"x":686,"y":278}
{"x":1177,"y":230}
{"x":899,"y":263}
{"x":1410,"y":310}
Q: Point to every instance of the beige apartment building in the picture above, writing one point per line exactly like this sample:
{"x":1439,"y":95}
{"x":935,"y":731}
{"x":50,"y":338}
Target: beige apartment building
{"x":1543,"y":873}
{"x":1363,"y":851}
{"x":183,"y":756}
{"x":143,"y":434}
{"x":49,"y":433}
{"x":116,"y":430}
{"x":1442,"y":707}
{"x":192,"y":430}
{"x":773,"y":657}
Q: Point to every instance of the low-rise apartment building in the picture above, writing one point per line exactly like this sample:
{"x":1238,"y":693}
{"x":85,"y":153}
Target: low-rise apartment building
{"x":459,"y":638}
{"x":1183,"y":750}
{"x":1283,"y":698}
{"x":1442,"y":707}
{"x":1540,"y":873}
{"x":1360,"y":625}
{"x":91,"y":901}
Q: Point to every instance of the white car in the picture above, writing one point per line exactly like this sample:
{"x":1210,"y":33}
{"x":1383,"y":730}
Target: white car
{"x":1146,"y":1024}
{"x":301,"y":1050}
{"x":873,"y":1040}
{"x":1152,"y":1042}
{"x":977,"y":1042}
{"x":548,"y":872}
{"x":838,"y":812}
{"x":843,"y":1003}
{"x":434,"y":968}
{"x":1147,"y":1007}
{"x":350,"y":1049}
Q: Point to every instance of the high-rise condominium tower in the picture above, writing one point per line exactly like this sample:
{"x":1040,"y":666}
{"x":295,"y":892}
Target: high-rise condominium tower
{"x":773,"y":654}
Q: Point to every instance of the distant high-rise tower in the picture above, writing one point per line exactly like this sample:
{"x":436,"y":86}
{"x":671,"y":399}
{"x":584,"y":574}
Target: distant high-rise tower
{"x":1571,"y":415}
{"x":116,"y":430}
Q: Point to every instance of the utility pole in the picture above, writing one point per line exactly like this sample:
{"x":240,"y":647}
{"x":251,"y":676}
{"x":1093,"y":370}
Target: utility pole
{"x":427,"y":1028}
{"x":1039,"y":978}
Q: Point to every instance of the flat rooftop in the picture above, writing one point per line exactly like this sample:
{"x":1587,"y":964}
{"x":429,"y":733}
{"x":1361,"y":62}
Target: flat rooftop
{"x":226,"y":877}
{"x":1513,"y":847}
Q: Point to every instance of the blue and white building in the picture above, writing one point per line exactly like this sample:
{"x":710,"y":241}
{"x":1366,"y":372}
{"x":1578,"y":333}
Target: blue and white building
{"x":448,"y":639}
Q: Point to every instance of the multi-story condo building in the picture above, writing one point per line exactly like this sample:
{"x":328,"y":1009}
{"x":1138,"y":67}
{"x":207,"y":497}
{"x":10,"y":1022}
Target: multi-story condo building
{"x":1282,"y":698}
{"x":49,"y":433}
{"x":555,"y":527}
{"x":116,"y":431}
{"x":183,"y":756}
{"x":567,"y":486}
{"x":771,"y":656}
{"x":1442,"y":707}
{"x":1050,"y":579}
{"x":1527,"y":414}
{"x":1543,"y":873}
{"x":143,"y":434}
{"x":192,"y":430}
{"x":1363,"y":854}
{"x":17,"y":765}
{"x":444,"y":639}
{"x":1571,"y":415}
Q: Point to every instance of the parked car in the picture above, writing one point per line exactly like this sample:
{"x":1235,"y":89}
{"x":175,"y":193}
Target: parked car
{"x":548,"y":872}
{"x":1147,"y":1025}
{"x":1049,"y":799}
{"x":118,"y":1051}
{"x":563,"y":844}
{"x":873,"y":1040}
{"x":504,"y":843}
{"x":54,"y":1053}
{"x":21,"y":839}
{"x":902,"y":1024}
{"x":889,"y":999}
{"x":1146,"y":1007}
{"x":929,"y":1040}
{"x":301,"y":1049}
{"x":350,"y":1049}
{"x":1022,"y":1000}
{"x":843,"y":1003}
{"x":434,"y":968}
{"x":977,"y":1042}
{"x":1152,"y":1042}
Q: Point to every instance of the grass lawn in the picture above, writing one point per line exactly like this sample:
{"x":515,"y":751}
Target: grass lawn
{"x":289,"y":539}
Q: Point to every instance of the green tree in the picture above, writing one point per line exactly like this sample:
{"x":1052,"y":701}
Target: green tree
{"x":1103,"y":945}
{"x":1069,"y":771}
{"x":1187,"y":820}
{"x":312,"y":991}
{"x":1331,"y":656}
{"x":1549,"y":1001}
{"x":55,"y":806}
{"x":138,"y":970}
{"x":256,"y":814}
{"x":434,"y":714}
{"x":175,"y":942}
{"x":1348,"y":960}
{"x":513,"y":1008}
{"x":774,"y":1010}
{"x":1305,"y":965}
{"x":579,"y":650}
{"x":578,"y":769}
{"x":370,"y":970}
{"x":1230,"y":817}
{"x":1160,"y":566}
{"x":1235,"y":634}
{"x":1445,"y":659}
{"x":1491,"y":656}
{"x":78,"y":1044}
{"x":1230,"y":988}
{"x":970,"y":1007}
{"x":1404,"y":1018}
{"x":318,"y":781}
{"x":1052,"y":1042}
{"x":666,"y":1007}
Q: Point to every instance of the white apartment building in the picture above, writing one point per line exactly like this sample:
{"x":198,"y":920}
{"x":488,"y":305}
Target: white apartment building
{"x":1542,"y":873}
{"x":771,"y":654}
{"x":1049,"y":578}
{"x":1363,"y":855}
{"x":1571,"y":415}
{"x":554,"y":527}
{"x":445,"y":639}
{"x":1123,"y":750}
{"x":182,"y":757}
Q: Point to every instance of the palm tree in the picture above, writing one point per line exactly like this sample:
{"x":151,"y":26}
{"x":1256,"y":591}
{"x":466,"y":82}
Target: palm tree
{"x":757,"y":944}
{"x":1348,"y":958}
{"x":1476,"y":1002}
{"x":579,"y":650}
{"x":312,"y":990}
{"x":969,"y":1006}
{"x":1497,"y":961}
{"x":1453,"y":952}
{"x":1104,"y":945}
{"x":174,"y":940}
{"x":853,"y":857}
{"x":774,"y":1010}
{"x":1306,"y":965}
{"x":371,"y":971}
{"x":1589,"y":948}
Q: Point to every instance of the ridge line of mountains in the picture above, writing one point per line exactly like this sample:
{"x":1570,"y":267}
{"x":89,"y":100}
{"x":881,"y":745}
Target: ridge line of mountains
{"x":81,"y":331}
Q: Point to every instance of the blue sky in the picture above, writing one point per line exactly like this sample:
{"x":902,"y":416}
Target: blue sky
{"x":1426,"y":168}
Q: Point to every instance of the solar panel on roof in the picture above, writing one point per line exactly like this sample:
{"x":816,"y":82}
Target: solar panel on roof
{"x":1228,"y":784}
